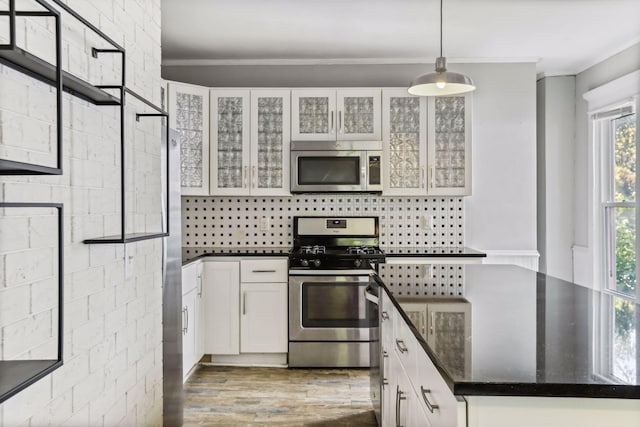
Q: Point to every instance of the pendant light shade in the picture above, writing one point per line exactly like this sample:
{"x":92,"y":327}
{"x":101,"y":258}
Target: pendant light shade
{"x":441,"y":82}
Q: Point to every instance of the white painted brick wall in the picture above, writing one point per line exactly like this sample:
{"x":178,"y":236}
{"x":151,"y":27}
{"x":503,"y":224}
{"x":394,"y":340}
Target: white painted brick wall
{"x":112,"y":372}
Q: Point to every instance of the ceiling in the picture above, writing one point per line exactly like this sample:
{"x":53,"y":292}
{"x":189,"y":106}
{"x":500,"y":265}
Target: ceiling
{"x":561,"y":36}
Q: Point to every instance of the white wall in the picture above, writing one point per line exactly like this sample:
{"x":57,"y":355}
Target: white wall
{"x":556,"y":128}
{"x":112,"y":372}
{"x":500,"y":216}
{"x":501,"y":213}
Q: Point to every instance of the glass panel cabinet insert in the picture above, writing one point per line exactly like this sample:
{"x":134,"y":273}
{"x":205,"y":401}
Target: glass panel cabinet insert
{"x":189,"y":115}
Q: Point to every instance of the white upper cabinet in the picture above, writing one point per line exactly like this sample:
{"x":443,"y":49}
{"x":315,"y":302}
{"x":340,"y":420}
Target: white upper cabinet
{"x":270,"y":142}
{"x":250,"y":140}
{"x":404,"y":136}
{"x":427,"y":144}
{"x":188,"y":108}
{"x":330,"y":114}
{"x":230,"y":114}
{"x":449,"y":145}
{"x":313,"y":113}
{"x":358,"y":114}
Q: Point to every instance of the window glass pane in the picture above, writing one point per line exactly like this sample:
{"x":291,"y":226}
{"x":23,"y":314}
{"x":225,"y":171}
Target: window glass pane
{"x":624,"y":239}
{"x":624,"y":341}
{"x":625,"y":158}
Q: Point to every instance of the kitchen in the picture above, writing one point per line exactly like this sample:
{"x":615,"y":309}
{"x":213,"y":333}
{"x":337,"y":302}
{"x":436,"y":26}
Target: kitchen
{"x":108,"y":352}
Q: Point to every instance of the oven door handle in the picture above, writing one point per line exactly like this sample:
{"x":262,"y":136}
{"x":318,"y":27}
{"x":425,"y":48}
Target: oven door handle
{"x":363,"y":272}
{"x":371,"y":297}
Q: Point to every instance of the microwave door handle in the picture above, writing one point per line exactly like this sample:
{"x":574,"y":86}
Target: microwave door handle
{"x":364,"y":180}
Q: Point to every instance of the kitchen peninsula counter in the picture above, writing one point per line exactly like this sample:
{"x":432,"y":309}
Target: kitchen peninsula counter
{"x":535,"y":335}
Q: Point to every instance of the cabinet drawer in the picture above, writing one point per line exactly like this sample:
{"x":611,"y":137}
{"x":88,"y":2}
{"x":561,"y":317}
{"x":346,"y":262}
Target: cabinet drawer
{"x":435,"y":397}
{"x":264,"y":270}
{"x":190,"y":276}
{"x":405,"y":344}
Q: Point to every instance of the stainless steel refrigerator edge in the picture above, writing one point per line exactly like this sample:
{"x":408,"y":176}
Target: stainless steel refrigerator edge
{"x":172,"y":290}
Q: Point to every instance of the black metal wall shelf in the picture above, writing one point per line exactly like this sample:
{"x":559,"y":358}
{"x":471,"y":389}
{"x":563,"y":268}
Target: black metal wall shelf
{"x":16,"y":375}
{"x":21,"y":60}
{"x":125,"y":237}
{"x":33,"y":66}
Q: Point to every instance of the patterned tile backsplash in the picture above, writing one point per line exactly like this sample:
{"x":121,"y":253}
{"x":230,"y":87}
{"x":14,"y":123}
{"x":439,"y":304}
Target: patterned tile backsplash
{"x":236,"y":221}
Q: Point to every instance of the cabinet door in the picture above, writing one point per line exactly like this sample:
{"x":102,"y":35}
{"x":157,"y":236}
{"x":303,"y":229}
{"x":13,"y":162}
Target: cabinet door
{"x":221,"y":290}
{"x":270,"y":142}
{"x":230,"y":116}
{"x":404,"y":136}
{"x":263,"y":325}
{"x":199,"y":313}
{"x":358,"y":114}
{"x":434,"y":397}
{"x":188,"y":107}
{"x":417,"y":313}
{"x":313,"y":115}
{"x":188,"y":332}
{"x":449,"y":335}
{"x":450,"y":145}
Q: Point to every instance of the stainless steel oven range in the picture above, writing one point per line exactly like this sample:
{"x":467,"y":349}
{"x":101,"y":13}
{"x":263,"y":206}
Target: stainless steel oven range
{"x":330,"y":269}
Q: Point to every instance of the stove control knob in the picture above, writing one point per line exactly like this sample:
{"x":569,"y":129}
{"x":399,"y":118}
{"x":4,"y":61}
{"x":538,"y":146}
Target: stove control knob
{"x":357,"y":263}
{"x":316,"y":263}
{"x":304,"y":262}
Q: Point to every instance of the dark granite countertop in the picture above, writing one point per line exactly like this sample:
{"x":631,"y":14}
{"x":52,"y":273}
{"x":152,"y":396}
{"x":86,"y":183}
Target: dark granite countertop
{"x":436,"y":252}
{"x":536,"y":335}
{"x":190,"y":254}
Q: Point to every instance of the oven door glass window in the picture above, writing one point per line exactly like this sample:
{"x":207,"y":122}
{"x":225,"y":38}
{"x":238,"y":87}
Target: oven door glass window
{"x":335,"y":305}
{"x":329,"y":170}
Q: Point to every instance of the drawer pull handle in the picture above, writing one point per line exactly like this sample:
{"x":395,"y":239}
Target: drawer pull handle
{"x":430,"y":406}
{"x":403,"y":348}
{"x":384,"y":315}
{"x":399,"y":397}
{"x":263,"y":271}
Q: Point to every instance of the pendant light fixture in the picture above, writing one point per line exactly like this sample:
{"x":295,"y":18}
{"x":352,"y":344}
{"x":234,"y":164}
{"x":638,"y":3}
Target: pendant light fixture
{"x":442,"y":82}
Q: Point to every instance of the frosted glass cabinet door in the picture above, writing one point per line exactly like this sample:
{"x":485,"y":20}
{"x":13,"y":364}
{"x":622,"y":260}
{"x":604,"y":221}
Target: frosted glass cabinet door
{"x":449,"y":335}
{"x":313,"y":113}
{"x":404,"y":136}
{"x":270,"y":142}
{"x":188,"y":107}
{"x":230,"y":114}
{"x":358,"y":114}
{"x":450,"y":145}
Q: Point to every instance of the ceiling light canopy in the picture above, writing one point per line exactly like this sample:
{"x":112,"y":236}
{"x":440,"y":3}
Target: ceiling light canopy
{"x":441,"y":82}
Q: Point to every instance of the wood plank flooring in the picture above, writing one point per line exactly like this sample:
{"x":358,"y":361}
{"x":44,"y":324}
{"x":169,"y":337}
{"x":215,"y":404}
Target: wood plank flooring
{"x":248,"y":396}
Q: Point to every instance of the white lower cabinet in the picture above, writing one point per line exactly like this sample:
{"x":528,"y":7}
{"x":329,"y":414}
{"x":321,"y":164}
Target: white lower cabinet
{"x":263,"y":323}
{"x":222,"y":307}
{"x":192,"y":317}
{"x":245,"y":307}
{"x":414,"y":393}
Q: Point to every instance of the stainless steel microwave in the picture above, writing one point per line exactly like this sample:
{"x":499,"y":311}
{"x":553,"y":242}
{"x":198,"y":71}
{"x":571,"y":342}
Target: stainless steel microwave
{"x":335,"y":166}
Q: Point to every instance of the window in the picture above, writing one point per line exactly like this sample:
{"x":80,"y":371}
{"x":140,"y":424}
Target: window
{"x":617,"y":141}
{"x":618,"y":132}
{"x":613,"y":217}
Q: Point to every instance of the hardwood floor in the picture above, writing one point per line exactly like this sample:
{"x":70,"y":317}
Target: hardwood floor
{"x":243,"y":396}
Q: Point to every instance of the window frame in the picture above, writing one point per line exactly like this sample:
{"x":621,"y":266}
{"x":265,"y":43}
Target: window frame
{"x":605,"y":142}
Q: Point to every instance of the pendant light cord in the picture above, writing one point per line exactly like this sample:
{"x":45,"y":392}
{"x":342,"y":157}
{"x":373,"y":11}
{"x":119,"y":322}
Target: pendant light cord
{"x":440,"y":27}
